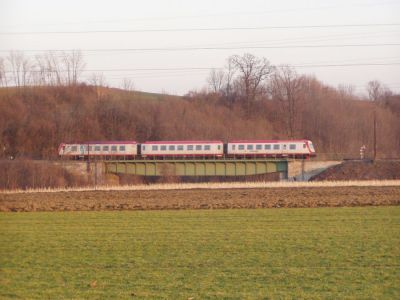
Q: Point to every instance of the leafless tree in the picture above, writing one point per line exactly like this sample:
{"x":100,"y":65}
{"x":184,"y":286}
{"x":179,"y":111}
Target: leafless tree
{"x":228,"y":89}
{"x":41,"y":73}
{"x":53,"y":68}
{"x":98,"y":80}
{"x":73,"y":64}
{"x":252,"y":73}
{"x":288,"y":88}
{"x":216,"y":80}
{"x":346,"y":91}
{"x":128,"y":84}
{"x":375,"y":90}
{"x":20,"y":68}
{"x":377,"y":93}
{"x":3,"y":76}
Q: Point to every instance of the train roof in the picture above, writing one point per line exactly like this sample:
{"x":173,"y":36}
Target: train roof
{"x":183,"y":142}
{"x":266,"y":141}
{"x":102,"y":142}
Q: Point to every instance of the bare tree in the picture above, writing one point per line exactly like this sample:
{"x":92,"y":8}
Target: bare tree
{"x":128,"y":84}
{"x":375,"y":90}
{"x":73,"y":64}
{"x":229,"y":75}
{"x":288,"y":88}
{"x":3,"y":74}
{"x":216,"y":80}
{"x":20,"y":68}
{"x":346,"y":91}
{"x":41,"y":74}
{"x":52,"y":67}
{"x":98,"y":80}
{"x":252,"y":72}
{"x":378,"y":93}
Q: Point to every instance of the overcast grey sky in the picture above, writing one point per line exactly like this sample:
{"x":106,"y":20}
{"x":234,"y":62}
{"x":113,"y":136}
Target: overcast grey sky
{"x":351,"y":47}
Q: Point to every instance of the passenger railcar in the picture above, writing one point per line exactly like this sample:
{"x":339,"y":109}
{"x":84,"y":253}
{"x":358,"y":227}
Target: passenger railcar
{"x":184,"y":149}
{"x":101,"y":149}
{"x":188,"y":149}
{"x":271,"y":148}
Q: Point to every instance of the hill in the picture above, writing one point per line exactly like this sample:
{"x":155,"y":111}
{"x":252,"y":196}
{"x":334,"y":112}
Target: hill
{"x":35,"y":120}
{"x":361,"y":170}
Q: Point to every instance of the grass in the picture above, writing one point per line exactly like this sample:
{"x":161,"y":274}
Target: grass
{"x":214,"y":185}
{"x":237,"y":254}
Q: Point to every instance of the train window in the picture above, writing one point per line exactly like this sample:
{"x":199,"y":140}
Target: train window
{"x":276,"y":147}
{"x":207,"y":147}
{"x":250,"y":147}
{"x":180,"y":148}
{"x":113,"y":148}
{"x":284,"y":147}
{"x":90,"y":148}
{"x":219,"y":147}
{"x":198,"y":147}
{"x":304,"y":146}
{"x":267,"y":147}
{"x":105,"y":148}
{"x":74,"y":148}
{"x":122,"y":148}
{"x":241,"y":147}
{"x":190,"y":147}
{"x":154,"y":148}
{"x":97,"y":148}
{"x":292,"y":146}
{"x":171,"y":147}
{"x":233,"y":147}
{"x":163,"y":148}
{"x":258,"y":147}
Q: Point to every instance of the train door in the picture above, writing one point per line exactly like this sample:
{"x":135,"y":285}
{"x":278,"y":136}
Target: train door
{"x":82,"y":150}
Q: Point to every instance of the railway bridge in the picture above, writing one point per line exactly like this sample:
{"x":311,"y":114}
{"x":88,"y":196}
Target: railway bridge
{"x":198,"y":167}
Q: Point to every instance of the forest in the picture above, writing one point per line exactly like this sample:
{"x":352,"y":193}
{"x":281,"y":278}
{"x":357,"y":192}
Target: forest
{"x":44,"y":103}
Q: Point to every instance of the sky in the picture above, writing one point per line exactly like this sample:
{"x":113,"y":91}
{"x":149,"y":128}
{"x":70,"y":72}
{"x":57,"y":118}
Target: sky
{"x":340,"y":42}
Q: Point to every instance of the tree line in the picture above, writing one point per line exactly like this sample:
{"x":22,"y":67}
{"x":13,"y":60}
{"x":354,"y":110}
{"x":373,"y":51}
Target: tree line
{"x":44,"y":103}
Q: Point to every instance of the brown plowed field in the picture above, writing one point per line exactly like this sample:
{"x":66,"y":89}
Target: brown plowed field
{"x":201,"y":199}
{"x":361,"y":170}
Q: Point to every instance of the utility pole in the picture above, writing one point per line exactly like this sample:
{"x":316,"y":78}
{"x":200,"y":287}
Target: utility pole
{"x":95,"y":173}
{"x":375,"y":134}
{"x":88,"y":160}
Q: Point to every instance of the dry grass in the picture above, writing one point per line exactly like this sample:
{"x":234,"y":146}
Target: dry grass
{"x":215,"y":185}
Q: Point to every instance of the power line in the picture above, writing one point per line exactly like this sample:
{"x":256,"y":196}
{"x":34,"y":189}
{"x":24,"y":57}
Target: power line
{"x":210,"y":48}
{"x":201,"y":29}
{"x":216,"y":68}
{"x":347,"y":65}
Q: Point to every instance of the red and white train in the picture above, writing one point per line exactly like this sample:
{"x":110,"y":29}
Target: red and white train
{"x":189,"y":149}
{"x":100,"y":149}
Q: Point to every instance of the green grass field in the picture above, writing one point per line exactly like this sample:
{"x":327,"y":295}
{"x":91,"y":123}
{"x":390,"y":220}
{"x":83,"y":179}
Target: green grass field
{"x":236,"y":254}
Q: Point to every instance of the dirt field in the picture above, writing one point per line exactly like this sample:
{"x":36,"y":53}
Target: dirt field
{"x":361,"y":170}
{"x":201,"y":199}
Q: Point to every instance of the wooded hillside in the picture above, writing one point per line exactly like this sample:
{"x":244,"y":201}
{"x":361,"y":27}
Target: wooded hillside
{"x":35,"y":120}
{"x":44,"y":103}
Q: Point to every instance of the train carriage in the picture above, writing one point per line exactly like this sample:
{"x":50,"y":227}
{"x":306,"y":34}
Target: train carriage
{"x":188,"y":149}
{"x":99,"y":149}
{"x":184,"y":149}
{"x":271,"y":148}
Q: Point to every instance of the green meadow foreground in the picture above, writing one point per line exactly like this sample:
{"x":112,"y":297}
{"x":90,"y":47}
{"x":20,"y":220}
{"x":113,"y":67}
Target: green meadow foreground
{"x":202,"y":254}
